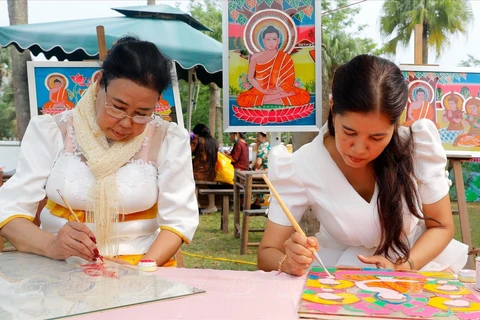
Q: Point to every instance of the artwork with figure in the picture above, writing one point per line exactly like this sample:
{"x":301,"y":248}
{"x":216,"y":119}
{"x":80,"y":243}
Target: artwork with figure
{"x":390,"y":295}
{"x":58,"y":86}
{"x":36,"y":287}
{"x":450,"y":99}
{"x":271,"y":63}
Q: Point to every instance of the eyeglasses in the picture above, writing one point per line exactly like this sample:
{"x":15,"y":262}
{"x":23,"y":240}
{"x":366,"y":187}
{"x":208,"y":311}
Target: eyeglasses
{"x":119,"y":114}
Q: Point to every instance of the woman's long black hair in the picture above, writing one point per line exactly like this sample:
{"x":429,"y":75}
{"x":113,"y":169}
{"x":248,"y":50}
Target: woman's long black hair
{"x":372,"y":84}
{"x":211,"y":145}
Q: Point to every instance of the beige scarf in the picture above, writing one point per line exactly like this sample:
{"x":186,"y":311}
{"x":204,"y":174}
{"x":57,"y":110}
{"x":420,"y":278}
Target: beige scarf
{"x":103,"y":205}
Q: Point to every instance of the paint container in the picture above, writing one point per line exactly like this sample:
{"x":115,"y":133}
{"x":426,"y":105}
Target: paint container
{"x":477,"y":267}
{"x":147,"y":266}
{"x":466,"y":275}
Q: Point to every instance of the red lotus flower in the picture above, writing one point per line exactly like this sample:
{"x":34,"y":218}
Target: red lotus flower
{"x":79,"y":79}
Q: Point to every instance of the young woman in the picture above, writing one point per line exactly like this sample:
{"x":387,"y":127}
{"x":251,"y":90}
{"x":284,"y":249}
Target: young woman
{"x":378,"y":189}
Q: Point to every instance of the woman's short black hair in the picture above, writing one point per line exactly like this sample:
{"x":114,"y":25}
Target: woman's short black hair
{"x":139,"y":61}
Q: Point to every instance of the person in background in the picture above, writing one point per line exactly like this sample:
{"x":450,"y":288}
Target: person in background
{"x":126,"y":173}
{"x":379,"y":190}
{"x":260,"y":163}
{"x":204,"y":151}
{"x":240,"y":151}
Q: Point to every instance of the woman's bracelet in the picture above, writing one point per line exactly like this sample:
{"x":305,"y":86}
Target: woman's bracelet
{"x":405,"y":259}
{"x":281,"y":262}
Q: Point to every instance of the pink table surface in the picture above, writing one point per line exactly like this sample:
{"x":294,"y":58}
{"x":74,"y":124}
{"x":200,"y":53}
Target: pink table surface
{"x":230,"y":295}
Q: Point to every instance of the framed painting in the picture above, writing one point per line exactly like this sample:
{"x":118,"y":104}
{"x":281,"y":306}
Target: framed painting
{"x":58,"y":86}
{"x":270,"y":65}
{"x":451,"y":99}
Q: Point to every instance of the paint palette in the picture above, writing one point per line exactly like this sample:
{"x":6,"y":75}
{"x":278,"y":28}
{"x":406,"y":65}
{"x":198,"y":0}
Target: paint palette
{"x":373,"y":294}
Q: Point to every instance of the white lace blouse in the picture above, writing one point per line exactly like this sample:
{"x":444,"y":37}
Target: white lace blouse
{"x":349,"y":224}
{"x":160,"y":173}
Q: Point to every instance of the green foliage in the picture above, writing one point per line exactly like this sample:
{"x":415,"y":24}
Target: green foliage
{"x":341,"y":46}
{"x":441,"y":20}
{"x":7,"y":106}
{"x":7,"y":114}
{"x":470,"y":62}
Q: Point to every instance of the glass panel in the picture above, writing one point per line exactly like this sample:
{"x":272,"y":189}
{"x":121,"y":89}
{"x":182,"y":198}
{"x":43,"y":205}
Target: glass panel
{"x":35,"y":287}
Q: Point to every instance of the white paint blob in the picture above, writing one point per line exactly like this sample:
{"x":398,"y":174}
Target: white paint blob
{"x":329,"y":296}
{"x":447,"y":287}
{"x":457,"y":303}
{"x":328,"y":281}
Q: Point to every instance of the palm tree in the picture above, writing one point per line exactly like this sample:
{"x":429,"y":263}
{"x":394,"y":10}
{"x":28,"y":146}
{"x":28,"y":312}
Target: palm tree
{"x":441,"y":19}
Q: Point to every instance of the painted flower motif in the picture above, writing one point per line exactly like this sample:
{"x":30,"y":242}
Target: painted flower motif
{"x":79,"y":79}
{"x":298,"y":83}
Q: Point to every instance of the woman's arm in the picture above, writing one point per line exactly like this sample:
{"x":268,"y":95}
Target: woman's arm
{"x":177,"y":205}
{"x":164,"y":247}
{"x":440,"y":231}
{"x":73,"y":239}
{"x":278,"y":241}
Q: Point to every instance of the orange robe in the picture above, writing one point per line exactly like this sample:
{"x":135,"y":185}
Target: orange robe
{"x":426,"y":111}
{"x":59,"y":97}
{"x":277,"y":73}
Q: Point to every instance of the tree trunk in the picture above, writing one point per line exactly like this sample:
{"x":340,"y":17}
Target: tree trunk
{"x":219,"y":125}
{"x":18,"y":14}
{"x":425,"y":44}
{"x":214,"y":92}
{"x":309,"y":222}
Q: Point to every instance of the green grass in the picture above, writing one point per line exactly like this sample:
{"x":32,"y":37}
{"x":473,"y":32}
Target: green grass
{"x":210,"y":241}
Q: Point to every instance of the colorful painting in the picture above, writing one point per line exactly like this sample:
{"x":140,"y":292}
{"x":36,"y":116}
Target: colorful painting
{"x":451,"y":99}
{"x":270,"y":63}
{"x":386,"y":294}
{"x":58,"y":86}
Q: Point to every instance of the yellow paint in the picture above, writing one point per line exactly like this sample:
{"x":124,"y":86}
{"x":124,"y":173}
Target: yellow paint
{"x":433,"y":287}
{"x":437,"y":275}
{"x":344,"y":284}
{"x":438,"y":302}
{"x":348,"y":298}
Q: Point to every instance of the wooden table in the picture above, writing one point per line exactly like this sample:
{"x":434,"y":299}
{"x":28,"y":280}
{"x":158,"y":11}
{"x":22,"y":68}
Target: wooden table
{"x":244,"y":182}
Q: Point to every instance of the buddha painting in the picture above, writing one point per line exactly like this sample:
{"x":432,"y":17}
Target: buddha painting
{"x":58,"y":97}
{"x":272,"y":75}
{"x":420,"y":107}
{"x":163,"y":109}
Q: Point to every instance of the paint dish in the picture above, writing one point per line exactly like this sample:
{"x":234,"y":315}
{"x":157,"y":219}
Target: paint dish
{"x":147,"y":266}
{"x":466,"y":275}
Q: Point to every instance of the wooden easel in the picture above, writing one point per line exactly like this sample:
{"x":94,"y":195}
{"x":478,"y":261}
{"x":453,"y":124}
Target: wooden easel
{"x":456,"y":163}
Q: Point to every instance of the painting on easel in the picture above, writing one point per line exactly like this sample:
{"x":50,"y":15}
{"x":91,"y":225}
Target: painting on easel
{"x":381,"y":294}
{"x":58,"y":86}
{"x":271,"y":65}
{"x":451,"y":99}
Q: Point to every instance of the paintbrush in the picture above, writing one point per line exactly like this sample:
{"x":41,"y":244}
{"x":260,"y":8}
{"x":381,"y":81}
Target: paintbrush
{"x":294,"y":222}
{"x":73,"y":213}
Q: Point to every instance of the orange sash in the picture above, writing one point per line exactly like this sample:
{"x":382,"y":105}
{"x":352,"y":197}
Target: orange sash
{"x":62,"y":212}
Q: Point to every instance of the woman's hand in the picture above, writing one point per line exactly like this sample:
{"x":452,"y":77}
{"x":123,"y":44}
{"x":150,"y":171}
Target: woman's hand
{"x":299,"y":251}
{"x":74,"y":239}
{"x":379,"y":261}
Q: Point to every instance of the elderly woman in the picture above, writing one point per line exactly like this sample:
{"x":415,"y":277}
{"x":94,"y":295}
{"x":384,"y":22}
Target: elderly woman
{"x":125,"y":172}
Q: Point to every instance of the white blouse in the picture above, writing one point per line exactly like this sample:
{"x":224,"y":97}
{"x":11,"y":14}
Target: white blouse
{"x":160,"y":173}
{"x":349,"y":224}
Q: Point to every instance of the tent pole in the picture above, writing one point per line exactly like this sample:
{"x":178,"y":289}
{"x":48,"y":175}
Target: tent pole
{"x":190,"y":100}
{"x":102,"y":43}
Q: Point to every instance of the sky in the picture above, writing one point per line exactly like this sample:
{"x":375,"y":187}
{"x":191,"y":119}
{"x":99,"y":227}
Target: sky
{"x":57,"y":10}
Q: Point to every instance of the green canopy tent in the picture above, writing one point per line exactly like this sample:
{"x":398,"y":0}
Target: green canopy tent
{"x":177,"y":34}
